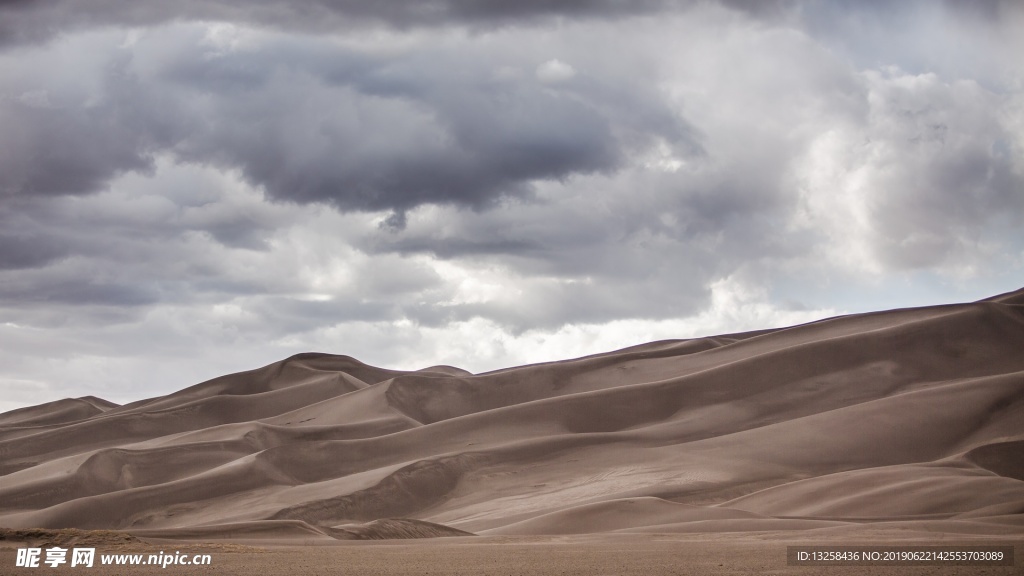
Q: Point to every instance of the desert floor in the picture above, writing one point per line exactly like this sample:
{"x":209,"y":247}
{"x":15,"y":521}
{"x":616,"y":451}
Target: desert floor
{"x":647,"y":554}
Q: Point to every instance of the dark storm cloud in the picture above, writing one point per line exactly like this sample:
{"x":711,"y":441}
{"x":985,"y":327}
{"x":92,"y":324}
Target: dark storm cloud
{"x":311,"y":122}
{"x":76,"y":292}
{"x":48,"y":152}
{"x":50,"y":148}
{"x":23,"y":21}
{"x":239,"y":234}
{"x":450,"y":248}
{"x":20,"y":252}
{"x":24,"y":243}
{"x":401,"y":136}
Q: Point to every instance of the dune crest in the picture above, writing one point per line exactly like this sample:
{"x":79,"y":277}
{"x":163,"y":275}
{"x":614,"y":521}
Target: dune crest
{"x":908,"y":417}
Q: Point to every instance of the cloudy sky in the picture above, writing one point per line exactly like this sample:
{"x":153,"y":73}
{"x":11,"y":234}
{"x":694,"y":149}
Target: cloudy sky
{"x":200,"y":187}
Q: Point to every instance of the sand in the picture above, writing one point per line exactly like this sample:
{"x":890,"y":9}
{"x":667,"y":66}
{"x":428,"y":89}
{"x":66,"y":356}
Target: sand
{"x":907,"y":420}
{"x":593,"y":555}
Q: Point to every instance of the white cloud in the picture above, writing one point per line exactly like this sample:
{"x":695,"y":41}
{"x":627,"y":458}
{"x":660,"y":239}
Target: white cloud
{"x":554,"y":71}
{"x":911,"y":186}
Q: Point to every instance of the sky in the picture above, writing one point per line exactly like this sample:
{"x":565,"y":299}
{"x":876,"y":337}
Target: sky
{"x":194,"y":188}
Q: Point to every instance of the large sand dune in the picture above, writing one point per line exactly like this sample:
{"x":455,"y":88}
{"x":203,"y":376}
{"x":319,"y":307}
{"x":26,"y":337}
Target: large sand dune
{"x":903,"y":418}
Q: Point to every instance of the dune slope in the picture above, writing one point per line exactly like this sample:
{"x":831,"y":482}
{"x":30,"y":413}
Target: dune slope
{"x":911,"y":416}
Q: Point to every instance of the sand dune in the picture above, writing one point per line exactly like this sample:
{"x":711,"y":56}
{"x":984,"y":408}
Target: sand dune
{"x":908,"y":418}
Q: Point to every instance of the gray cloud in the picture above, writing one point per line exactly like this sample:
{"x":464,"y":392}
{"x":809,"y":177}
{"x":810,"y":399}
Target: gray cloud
{"x":20,"y":252}
{"x":435,"y":125}
{"x":56,"y":144}
{"x":472,"y":183}
{"x":52,"y":152}
{"x":932,"y":171}
{"x":28,"y":21}
{"x":954,"y":38}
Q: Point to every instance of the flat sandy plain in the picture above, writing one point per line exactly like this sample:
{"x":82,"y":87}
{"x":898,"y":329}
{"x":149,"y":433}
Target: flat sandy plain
{"x":669,"y":457}
{"x":589,"y":555}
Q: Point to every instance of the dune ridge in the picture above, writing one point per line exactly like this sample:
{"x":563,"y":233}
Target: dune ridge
{"x":911,"y":417}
